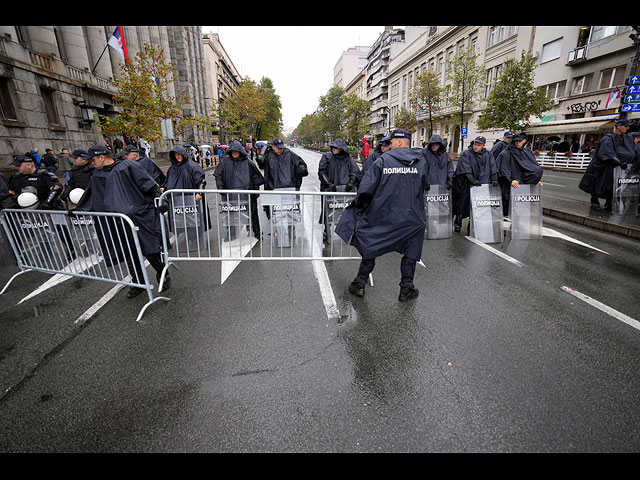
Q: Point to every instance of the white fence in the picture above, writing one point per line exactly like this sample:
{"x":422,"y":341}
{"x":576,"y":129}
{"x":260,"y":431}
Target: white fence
{"x":578,"y":161}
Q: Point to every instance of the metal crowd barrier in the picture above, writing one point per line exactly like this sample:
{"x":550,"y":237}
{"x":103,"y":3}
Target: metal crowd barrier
{"x":97,"y":246}
{"x":222,"y":225}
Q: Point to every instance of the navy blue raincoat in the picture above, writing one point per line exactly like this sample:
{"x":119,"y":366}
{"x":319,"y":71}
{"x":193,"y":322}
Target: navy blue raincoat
{"x":481,"y":166}
{"x":340,"y":168}
{"x":395,"y":219}
{"x":439,"y":164}
{"x":125,"y":187}
{"x":519,"y":164}
{"x":598,"y":179}
{"x":283,"y":171}
{"x":237,"y":173}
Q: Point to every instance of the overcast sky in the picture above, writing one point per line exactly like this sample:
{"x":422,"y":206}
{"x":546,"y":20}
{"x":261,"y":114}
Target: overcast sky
{"x":298,"y":59}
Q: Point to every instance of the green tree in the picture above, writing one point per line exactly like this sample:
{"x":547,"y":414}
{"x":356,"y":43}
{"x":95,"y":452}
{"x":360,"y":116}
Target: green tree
{"x":405,"y":119}
{"x":467,"y":78}
{"x":514,"y":98}
{"x":309,"y":130}
{"x":331,"y":111}
{"x":427,"y":96}
{"x":245,"y":111}
{"x":271,"y":126}
{"x":144,"y":100}
{"x":356,"y":117}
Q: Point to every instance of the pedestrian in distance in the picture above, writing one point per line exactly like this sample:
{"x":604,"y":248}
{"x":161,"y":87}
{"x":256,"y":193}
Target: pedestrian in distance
{"x":387,"y":215}
{"x":616,"y":149}
{"x":65,"y":162}
{"x":476,"y":166}
{"x":439,"y":163}
{"x":384,"y":145}
{"x":237,"y":172}
{"x":122,"y":186}
{"x":49,"y":160}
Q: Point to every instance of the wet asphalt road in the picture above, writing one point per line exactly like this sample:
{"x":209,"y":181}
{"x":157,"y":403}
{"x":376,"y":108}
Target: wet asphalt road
{"x":493,"y":356}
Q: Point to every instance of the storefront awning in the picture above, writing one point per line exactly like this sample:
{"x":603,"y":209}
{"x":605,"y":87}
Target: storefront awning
{"x":571,"y":126}
{"x":602,"y":124}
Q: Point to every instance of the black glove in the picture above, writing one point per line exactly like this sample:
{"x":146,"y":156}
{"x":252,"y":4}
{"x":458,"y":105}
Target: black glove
{"x":363,"y":200}
{"x":163,"y":207}
{"x":494,"y":180}
{"x":301,"y":171}
{"x":352,"y":183}
{"x":449,"y":183}
{"x":623,"y":166}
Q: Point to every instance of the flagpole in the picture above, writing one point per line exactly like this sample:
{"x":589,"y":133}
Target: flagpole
{"x":105,"y":49}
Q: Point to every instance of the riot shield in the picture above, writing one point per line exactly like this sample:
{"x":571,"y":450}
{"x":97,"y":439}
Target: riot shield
{"x":525,"y":211}
{"x":285,"y":212}
{"x":486,"y":213}
{"x":333,"y":207}
{"x":437,"y":206}
{"x":189,"y":220}
{"x":235,"y":217}
{"x":626,"y":191}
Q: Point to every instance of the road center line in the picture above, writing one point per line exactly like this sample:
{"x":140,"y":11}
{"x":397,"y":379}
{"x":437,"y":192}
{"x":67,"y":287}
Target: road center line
{"x":605,"y":308}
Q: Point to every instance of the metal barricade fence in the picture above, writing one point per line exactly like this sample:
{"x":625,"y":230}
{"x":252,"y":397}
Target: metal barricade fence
{"x":234,"y":225}
{"x":92,"y":245}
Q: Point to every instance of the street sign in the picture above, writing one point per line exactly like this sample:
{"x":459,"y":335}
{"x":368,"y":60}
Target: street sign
{"x":631,"y":99}
{"x":635,"y":80}
{"x":464,"y":133}
{"x":632,"y":107}
{"x":633,"y":89}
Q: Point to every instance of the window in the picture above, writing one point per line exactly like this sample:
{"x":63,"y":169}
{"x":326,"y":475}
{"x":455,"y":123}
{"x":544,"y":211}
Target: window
{"x":580,"y":85}
{"x":555,"y":90}
{"x":7,"y":111}
{"x":50,"y":106}
{"x":497,"y":34}
{"x":598,"y":33}
{"x":551,"y":50}
{"x":492,"y":77}
{"x":612,"y":77}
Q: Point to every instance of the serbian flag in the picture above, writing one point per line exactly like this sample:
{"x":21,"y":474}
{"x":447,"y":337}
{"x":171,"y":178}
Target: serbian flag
{"x":118,"y":43}
{"x":612,"y":96}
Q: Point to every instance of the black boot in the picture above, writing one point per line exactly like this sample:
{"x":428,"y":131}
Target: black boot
{"x":134,"y":292}
{"x":356,"y":289}
{"x":407,"y":293}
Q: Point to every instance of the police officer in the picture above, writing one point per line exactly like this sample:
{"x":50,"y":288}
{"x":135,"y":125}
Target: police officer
{"x":132,"y":153}
{"x":46,"y":183}
{"x":439,"y":162}
{"x":615,"y":150}
{"x":518,"y":164}
{"x":79,"y":174}
{"x":237,"y":172}
{"x":476,"y":166}
{"x":283,"y":168}
{"x":505,"y":184}
{"x":122,"y":186}
{"x":389,"y":213}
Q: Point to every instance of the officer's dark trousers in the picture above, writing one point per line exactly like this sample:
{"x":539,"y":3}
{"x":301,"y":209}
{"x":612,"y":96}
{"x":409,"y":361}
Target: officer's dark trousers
{"x":407,"y":271}
{"x":137,"y":276}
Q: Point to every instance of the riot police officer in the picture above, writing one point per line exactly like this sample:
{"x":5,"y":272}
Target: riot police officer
{"x":122,"y":186}
{"x":132,"y":153}
{"x":79,"y":174}
{"x":46,"y":184}
{"x":389,"y":214}
{"x":283,"y":168}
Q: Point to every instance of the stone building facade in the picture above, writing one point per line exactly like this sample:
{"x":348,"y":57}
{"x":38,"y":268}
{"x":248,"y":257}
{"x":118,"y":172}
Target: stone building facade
{"x":54,"y":78}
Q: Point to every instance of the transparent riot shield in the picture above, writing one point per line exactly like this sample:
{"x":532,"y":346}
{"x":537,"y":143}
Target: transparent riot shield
{"x":235,"y":217}
{"x":333,"y":207}
{"x":626,"y":191}
{"x":525,"y":211}
{"x":486,"y":214}
{"x":285,"y":212}
{"x":437,"y":206}
{"x":189,"y":220}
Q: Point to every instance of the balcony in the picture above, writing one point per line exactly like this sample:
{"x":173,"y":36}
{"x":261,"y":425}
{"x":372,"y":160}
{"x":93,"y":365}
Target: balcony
{"x":577,"y":55}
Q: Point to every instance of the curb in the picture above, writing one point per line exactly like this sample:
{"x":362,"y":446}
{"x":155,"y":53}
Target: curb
{"x":631,"y":232}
